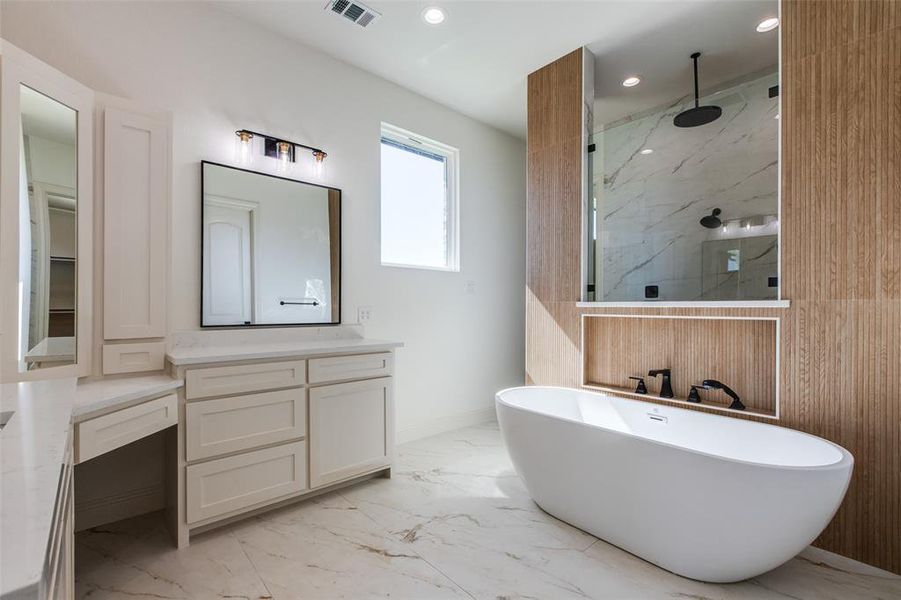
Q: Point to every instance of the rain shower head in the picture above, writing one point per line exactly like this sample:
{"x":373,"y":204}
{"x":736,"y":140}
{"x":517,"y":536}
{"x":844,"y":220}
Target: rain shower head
{"x":697,"y":115}
{"x":712,"y":221}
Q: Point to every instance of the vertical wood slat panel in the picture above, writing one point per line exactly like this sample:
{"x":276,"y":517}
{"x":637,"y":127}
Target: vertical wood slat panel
{"x":554,"y":187}
{"x":739,"y":352}
{"x":840,"y":341}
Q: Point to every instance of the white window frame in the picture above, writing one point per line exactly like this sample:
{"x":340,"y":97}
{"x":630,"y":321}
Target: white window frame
{"x":451,"y":193}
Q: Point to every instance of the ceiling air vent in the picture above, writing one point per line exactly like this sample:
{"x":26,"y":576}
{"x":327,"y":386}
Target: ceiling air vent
{"x":356,"y":12}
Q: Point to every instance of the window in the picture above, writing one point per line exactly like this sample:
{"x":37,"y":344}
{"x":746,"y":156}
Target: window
{"x":420,"y":217}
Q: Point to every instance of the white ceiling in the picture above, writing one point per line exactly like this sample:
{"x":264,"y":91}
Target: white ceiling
{"x":723,"y":31}
{"x":477,"y":60}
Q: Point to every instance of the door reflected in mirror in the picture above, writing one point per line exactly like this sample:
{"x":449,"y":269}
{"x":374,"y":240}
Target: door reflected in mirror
{"x":48,"y":234}
{"x":271,"y":250}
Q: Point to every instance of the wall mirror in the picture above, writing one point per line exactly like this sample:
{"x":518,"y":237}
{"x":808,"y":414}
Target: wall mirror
{"x":48,"y":232}
{"x":46,"y":220}
{"x":684,"y":202}
{"x":271,"y":250}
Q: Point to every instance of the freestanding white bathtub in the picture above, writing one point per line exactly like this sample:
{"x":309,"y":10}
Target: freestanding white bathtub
{"x":708,"y":497}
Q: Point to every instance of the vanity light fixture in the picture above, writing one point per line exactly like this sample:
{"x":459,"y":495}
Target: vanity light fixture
{"x":647,"y":151}
{"x":434,"y":15}
{"x":285,"y":151}
{"x":768,"y":25}
{"x":631,"y":81}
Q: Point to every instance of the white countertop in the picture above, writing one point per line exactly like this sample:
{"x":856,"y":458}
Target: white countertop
{"x":52,"y":349}
{"x":33,"y":451}
{"x":192,"y":355}
{"x":94,"y":397}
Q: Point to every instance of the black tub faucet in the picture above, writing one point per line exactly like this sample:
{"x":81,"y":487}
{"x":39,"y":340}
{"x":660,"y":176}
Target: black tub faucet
{"x":666,"y":386}
{"x":713,"y":384}
{"x":640,"y":388}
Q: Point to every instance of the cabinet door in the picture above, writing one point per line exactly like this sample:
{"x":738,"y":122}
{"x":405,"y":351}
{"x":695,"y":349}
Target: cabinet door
{"x":135,"y":230}
{"x":351,"y":429}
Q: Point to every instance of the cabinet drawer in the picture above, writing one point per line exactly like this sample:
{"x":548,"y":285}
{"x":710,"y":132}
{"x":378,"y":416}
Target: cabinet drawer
{"x":351,"y":429}
{"x":224,"y":425}
{"x":133,"y":358}
{"x":108,"y":432}
{"x":227,"y":484}
{"x":342,"y":368}
{"x":238,"y":379}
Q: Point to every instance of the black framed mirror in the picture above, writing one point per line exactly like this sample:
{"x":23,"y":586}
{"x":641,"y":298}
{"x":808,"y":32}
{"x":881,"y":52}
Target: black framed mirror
{"x":271,"y":250}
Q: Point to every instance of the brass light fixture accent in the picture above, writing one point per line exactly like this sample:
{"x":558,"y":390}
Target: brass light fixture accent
{"x":285,"y":151}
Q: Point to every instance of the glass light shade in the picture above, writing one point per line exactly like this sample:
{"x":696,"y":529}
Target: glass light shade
{"x":319,"y":164}
{"x":243,"y":148}
{"x":283,"y":158}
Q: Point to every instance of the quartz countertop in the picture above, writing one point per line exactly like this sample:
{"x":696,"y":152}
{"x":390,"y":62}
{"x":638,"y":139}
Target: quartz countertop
{"x":33,"y":452}
{"x":33,"y":447}
{"x":94,"y":397}
{"x":192,"y":355}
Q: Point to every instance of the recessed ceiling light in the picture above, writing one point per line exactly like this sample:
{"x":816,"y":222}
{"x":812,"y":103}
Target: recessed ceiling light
{"x":768,"y":25}
{"x":433,"y":15}
{"x":647,"y":151}
{"x":631,"y":81}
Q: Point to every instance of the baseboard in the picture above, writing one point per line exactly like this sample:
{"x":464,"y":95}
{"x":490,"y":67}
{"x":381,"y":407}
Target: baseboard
{"x":449,"y":423}
{"x":100,"y":511}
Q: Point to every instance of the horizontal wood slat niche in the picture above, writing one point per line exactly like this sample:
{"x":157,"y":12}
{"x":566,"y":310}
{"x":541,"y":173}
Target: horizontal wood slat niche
{"x":740,"y":352}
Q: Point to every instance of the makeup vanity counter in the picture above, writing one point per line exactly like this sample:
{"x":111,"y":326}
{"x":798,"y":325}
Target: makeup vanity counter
{"x":37,"y":450}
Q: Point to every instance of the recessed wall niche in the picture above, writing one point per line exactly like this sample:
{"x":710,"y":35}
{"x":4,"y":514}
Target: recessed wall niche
{"x":737,"y":351}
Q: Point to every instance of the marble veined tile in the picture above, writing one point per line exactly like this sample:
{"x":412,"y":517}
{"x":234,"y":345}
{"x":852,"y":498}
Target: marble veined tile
{"x":454,"y":521}
{"x":326,"y":548}
{"x":136,"y":559}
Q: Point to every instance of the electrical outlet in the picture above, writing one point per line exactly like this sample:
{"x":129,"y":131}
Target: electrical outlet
{"x":364,"y":314}
{"x":470,"y":287}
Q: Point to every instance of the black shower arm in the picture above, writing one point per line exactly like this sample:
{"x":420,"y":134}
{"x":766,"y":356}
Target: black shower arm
{"x":694,"y":58}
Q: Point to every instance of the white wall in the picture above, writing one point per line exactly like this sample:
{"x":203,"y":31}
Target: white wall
{"x":218,"y":74}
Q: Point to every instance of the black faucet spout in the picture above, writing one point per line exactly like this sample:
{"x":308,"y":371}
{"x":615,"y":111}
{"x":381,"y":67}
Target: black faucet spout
{"x":666,"y":386}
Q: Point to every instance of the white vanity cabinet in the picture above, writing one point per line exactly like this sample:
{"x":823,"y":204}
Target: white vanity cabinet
{"x":258,"y":432}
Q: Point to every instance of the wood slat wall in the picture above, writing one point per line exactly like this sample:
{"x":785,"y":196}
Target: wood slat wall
{"x":840,"y":340}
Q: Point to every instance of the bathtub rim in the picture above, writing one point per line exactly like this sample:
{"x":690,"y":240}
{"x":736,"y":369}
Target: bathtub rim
{"x":846,"y":460}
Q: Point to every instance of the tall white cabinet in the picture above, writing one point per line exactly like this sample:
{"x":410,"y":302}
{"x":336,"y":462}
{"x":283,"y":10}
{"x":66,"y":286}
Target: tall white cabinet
{"x":135,"y":148}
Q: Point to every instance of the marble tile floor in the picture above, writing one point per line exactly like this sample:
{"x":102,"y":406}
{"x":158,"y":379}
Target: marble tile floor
{"x":454,"y":521}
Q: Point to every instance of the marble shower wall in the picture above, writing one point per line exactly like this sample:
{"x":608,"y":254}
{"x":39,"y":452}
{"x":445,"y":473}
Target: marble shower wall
{"x":649,"y":205}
